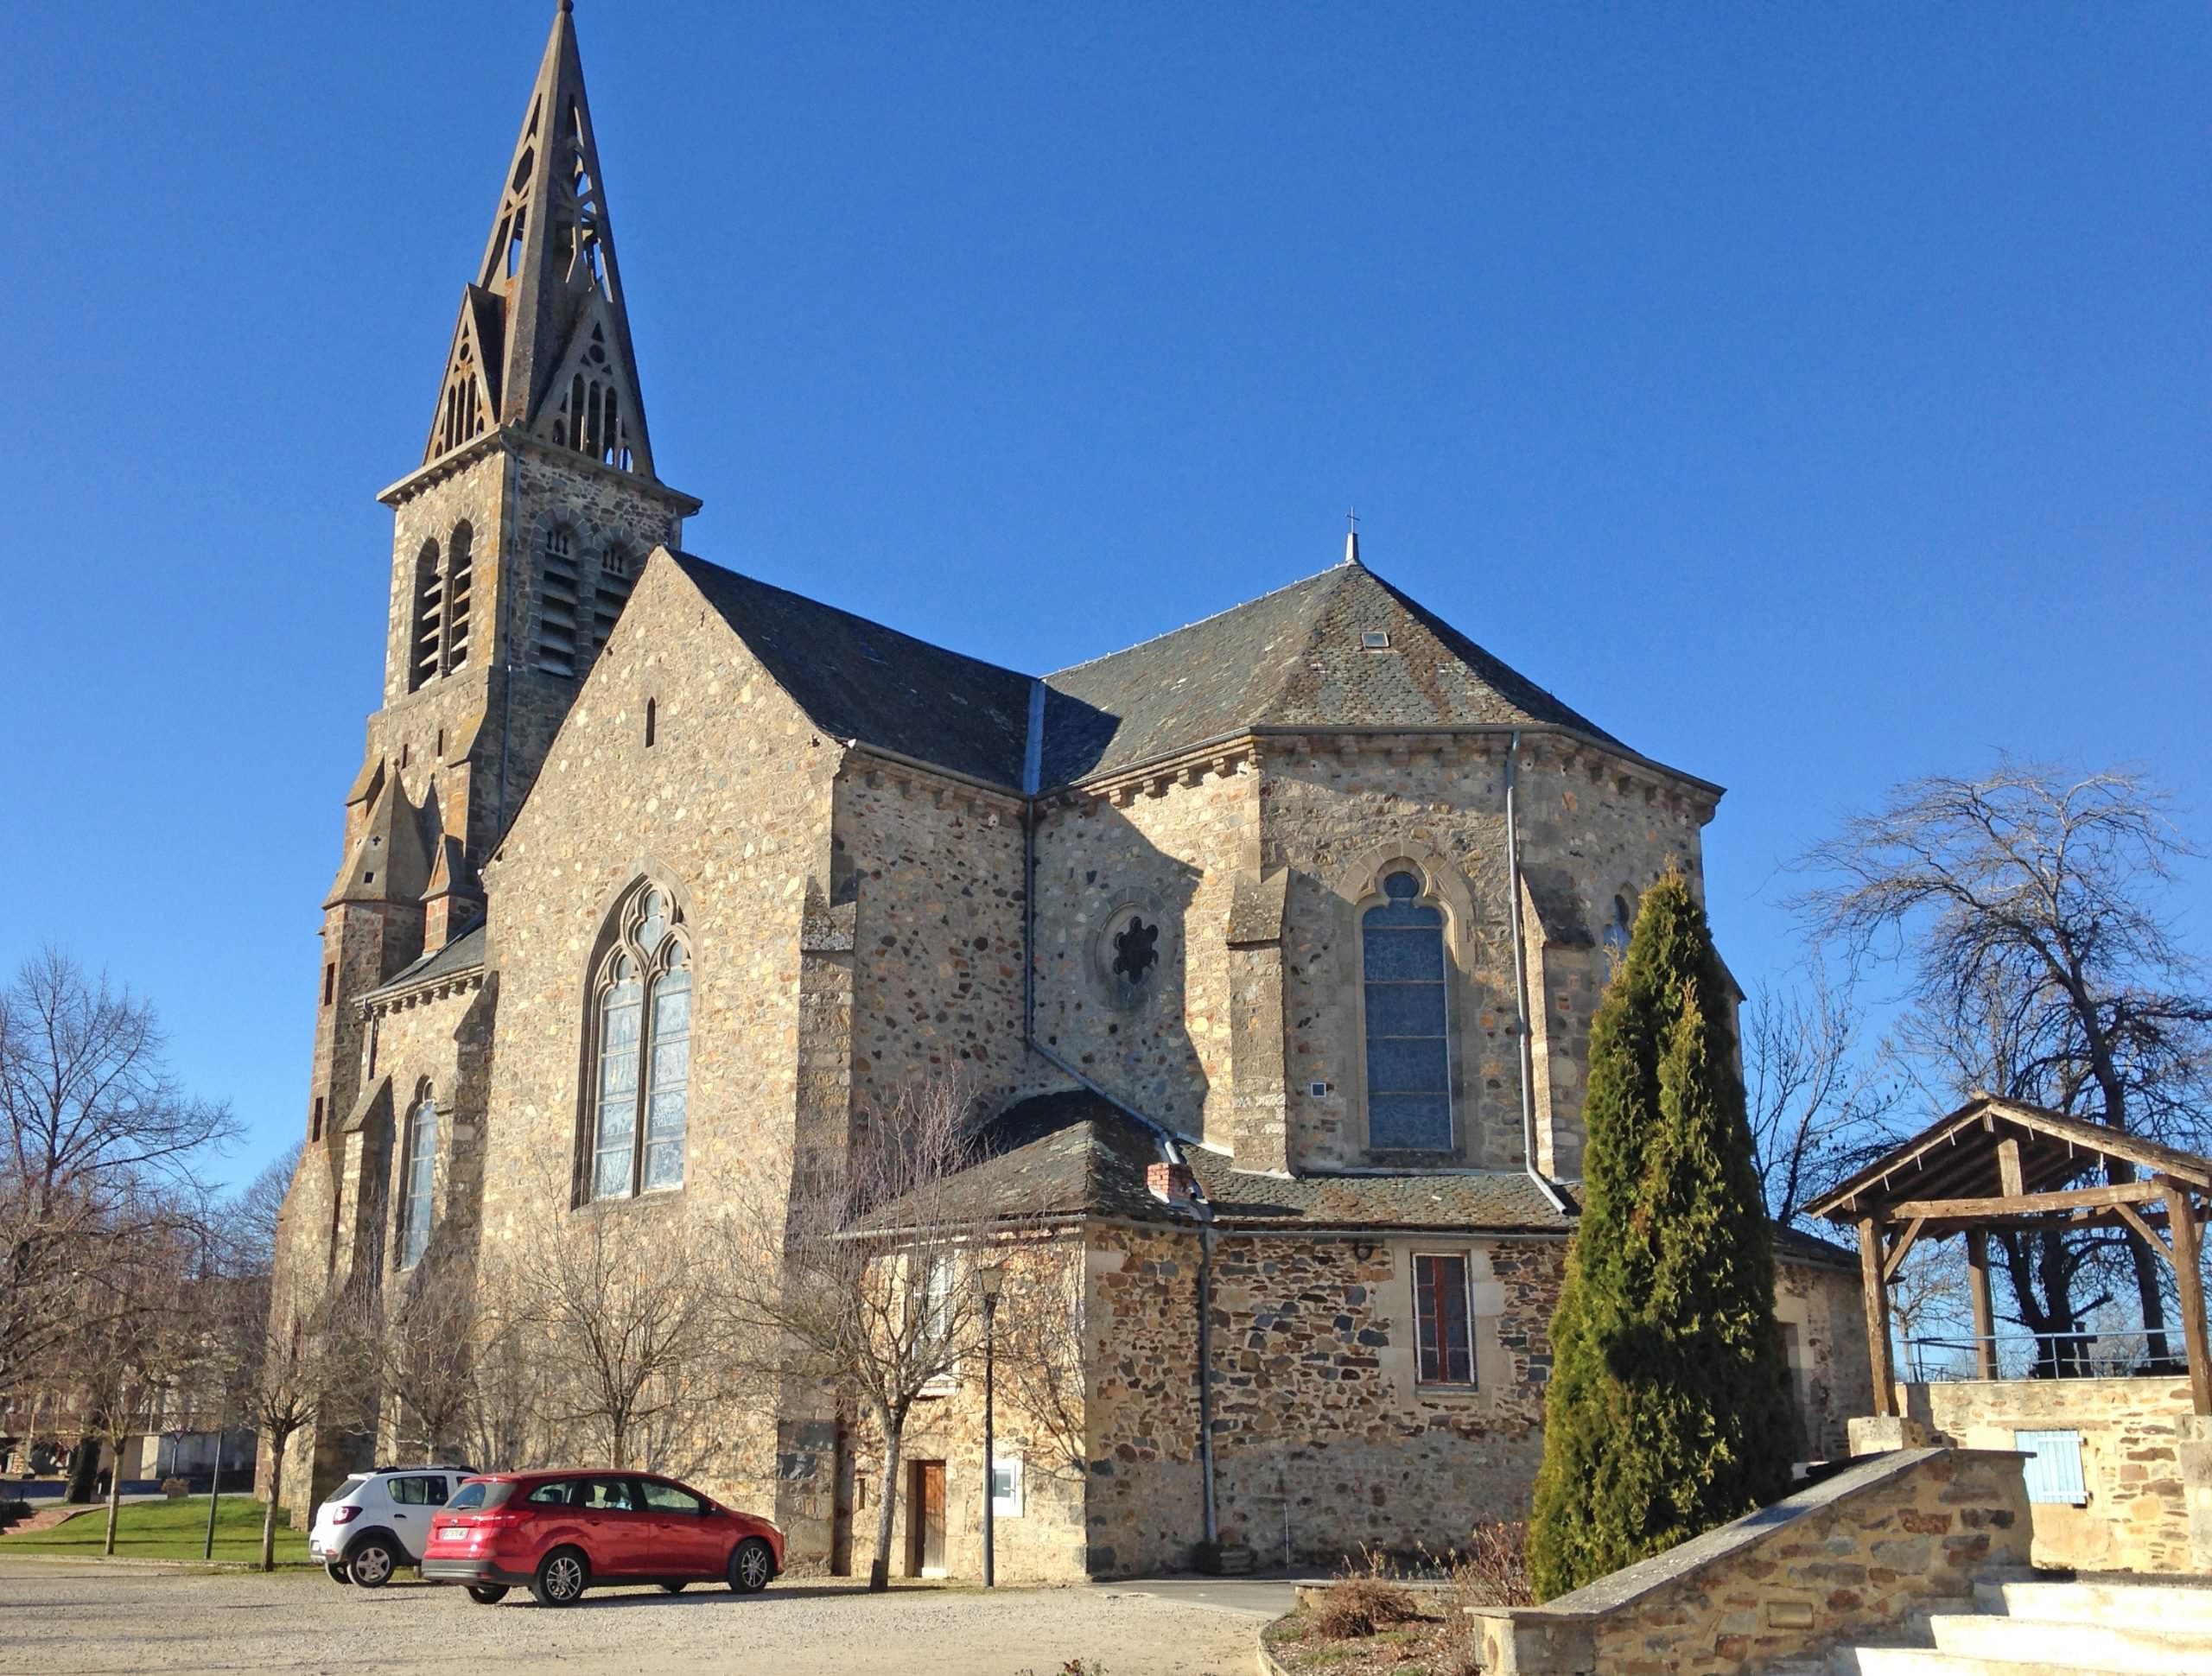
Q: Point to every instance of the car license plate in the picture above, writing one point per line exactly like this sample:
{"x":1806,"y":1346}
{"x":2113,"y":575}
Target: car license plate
{"x":452,"y":1533}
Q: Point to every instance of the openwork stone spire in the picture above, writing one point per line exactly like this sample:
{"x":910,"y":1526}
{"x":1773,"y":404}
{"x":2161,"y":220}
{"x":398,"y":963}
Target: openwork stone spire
{"x":543,"y":340}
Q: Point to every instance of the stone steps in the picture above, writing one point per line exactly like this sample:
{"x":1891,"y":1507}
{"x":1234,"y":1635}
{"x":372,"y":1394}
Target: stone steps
{"x":2144,"y":1648}
{"x":1922,"y":1661}
{"x":2169,"y":1606}
{"x":2043,"y":1629}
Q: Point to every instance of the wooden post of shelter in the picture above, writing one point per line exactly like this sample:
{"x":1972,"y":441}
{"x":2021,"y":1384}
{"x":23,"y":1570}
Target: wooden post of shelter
{"x":2188,"y":1279}
{"x":1984,"y":1328}
{"x":1877,"y":1315}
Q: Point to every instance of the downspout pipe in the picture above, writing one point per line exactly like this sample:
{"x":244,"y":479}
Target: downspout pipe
{"x":1544,"y":1184}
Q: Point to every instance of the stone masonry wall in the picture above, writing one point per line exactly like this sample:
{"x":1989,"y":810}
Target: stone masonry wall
{"x":1169,"y":850}
{"x":730,"y":808}
{"x":2137,"y":1518}
{"x":1325,"y":1440}
{"x":438,"y":1039}
{"x":1045,"y":1540}
{"x":1338,"y":811}
{"x":1821,"y":1312}
{"x":1849,"y":1558}
{"x":934,"y":874}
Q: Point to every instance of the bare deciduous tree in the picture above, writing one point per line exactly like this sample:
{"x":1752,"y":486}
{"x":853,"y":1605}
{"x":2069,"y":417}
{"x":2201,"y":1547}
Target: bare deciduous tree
{"x":859,"y":1279}
{"x":630,"y":1336}
{"x":428,"y":1360}
{"x":2027,"y":909}
{"x":95,"y":1136}
{"x":1821,"y":1100}
{"x":1040,"y":1359}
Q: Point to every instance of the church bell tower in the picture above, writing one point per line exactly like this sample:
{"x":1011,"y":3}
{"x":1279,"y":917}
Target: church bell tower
{"x":516,"y":541}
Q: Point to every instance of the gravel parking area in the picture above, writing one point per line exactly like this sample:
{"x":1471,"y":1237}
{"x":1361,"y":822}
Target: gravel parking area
{"x":71,"y":1618}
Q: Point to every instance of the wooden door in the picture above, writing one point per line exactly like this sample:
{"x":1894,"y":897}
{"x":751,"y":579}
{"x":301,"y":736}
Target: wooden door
{"x":925,"y":1519}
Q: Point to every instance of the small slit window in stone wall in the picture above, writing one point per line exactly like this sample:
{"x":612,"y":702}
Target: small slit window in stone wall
{"x":329,"y":982}
{"x":315,"y":1121}
{"x":652,"y":718}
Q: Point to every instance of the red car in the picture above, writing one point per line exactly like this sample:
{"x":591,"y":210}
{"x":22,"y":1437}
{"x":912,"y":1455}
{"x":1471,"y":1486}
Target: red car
{"x":563,"y":1532}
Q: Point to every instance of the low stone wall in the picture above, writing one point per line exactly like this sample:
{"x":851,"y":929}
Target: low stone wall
{"x":1851,"y":1556}
{"x":2137,"y":1516}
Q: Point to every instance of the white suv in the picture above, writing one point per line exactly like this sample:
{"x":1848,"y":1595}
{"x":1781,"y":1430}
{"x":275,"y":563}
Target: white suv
{"x":379,"y":1521}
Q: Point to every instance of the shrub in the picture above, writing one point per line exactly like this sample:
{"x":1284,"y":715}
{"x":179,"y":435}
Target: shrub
{"x":1356,"y":1606}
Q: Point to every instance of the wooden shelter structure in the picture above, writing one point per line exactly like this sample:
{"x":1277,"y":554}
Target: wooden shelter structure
{"x":1997,"y":1163}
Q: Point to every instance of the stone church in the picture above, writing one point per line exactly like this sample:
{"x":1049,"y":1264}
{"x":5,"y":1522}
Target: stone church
{"x":1271,"y":942}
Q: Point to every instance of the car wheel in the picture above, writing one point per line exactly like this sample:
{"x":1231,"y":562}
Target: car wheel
{"x":371,"y":1564}
{"x":560,"y":1579}
{"x":337,"y":1569}
{"x":487,"y":1594}
{"x":752,"y":1567}
{"x":671,"y":1588}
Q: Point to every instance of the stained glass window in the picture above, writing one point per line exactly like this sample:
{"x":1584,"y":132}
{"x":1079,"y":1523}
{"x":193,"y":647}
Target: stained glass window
{"x":1408,"y":1057}
{"x":422,"y":1175}
{"x":641,"y":1084}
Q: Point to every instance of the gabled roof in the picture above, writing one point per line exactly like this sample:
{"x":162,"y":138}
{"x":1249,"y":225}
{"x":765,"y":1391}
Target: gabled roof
{"x":1295,"y":657}
{"x":1957,"y":1158}
{"x":859,"y":680}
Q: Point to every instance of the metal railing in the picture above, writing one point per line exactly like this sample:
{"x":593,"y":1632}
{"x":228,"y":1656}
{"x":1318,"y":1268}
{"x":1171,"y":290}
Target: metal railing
{"x":2042,"y":1355}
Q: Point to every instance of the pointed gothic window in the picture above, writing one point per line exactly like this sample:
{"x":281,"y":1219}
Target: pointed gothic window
{"x":1408,"y":1052}
{"x":641,"y":1052}
{"x":557,"y":613}
{"x":423,"y":664}
{"x":418,"y":1174}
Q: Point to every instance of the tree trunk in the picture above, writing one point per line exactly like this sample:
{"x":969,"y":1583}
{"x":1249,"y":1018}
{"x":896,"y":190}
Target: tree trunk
{"x":879,"y":1571}
{"x":83,"y":1471}
{"x":275,"y":1494}
{"x":114,"y":1498}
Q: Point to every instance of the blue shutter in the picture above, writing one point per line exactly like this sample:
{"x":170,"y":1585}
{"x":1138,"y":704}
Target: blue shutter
{"x":2054,"y":1466}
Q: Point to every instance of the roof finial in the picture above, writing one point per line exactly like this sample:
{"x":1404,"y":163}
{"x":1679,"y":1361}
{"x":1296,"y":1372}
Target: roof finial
{"x":568,"y":5}
{"x":1351,"y":536}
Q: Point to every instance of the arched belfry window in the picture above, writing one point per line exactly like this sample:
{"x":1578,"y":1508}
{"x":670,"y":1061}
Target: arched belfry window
{"x":417,"y":1177}
{"x":429,"y":593}
{"x":459,"y":574}
{"x":1403,"y":971}
{"x":556,"y":603}
{"x":641,"y":1056}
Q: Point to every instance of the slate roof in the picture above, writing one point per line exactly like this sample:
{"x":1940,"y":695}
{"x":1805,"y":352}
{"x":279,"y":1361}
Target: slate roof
{"x":860,"y":680}
{"x":462,"y":954}
{"x":1073,"y":1154}
{"x":1292,"y":658}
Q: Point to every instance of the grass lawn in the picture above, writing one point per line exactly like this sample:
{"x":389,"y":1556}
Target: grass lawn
{"x":165,"y":1530}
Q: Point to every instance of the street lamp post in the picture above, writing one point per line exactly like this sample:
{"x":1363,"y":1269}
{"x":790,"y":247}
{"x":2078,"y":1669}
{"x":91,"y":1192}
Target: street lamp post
{"x":990,"y":1279}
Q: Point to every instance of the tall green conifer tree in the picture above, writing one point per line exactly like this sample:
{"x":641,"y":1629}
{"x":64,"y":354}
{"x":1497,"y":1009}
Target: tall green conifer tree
{"x":1670,"y":1409}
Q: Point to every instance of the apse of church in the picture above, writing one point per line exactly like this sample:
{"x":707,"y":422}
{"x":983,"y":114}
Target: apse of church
{"x":1269,"y":945}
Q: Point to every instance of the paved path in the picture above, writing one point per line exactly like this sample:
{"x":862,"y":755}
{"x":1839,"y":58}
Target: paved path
{"x":79,"y":1618}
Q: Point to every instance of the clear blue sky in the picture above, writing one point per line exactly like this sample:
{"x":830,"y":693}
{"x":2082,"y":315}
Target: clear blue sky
{"x":1814,"y":396}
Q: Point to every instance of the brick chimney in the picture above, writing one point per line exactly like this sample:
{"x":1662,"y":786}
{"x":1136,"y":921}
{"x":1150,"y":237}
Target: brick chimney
{"x":1172,"y":1184}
